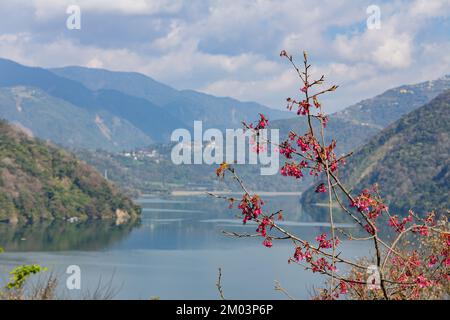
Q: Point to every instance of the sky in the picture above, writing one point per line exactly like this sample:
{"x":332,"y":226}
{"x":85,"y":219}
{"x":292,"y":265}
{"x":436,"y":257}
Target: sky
{"x":231,"y":48}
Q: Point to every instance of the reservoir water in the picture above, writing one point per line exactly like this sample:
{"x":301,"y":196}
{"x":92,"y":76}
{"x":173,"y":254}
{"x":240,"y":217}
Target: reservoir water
{"x":173,"y":252}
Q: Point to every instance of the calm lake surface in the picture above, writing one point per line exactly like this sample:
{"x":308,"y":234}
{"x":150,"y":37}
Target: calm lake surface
{"x":174,"y":252}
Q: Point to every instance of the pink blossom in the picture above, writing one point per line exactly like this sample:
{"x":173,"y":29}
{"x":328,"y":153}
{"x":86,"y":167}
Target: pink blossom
{"x":432,"y":261}
{"x":423,"y":282}
{"x":298,"y":255}
{"x":268,"y":242}
{"x":343,"y":287}
{"x":321,"y":188}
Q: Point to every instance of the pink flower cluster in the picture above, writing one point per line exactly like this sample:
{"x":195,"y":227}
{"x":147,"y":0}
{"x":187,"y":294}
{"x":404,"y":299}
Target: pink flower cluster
{"x":399,"y":226}
{"x":292,"y":169}
{"x":321,"y":188}
{"x":250,"y":207}
{"x":262,"y":227}
{"x":262,"y":123}
{"x":324,"y":243}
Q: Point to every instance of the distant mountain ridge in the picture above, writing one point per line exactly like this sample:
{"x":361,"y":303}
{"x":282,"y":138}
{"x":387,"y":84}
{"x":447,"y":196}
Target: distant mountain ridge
{"x":186,"y":105}
{"x":109,"y":110}
{"x":133,"y":83}
{"x":152,"y":120}
{"x":391,"y":105}
{"x":356,"y":124}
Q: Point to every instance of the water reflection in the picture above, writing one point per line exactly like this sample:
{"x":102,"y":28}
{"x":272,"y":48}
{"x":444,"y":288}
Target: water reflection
{"x":62,"y":235}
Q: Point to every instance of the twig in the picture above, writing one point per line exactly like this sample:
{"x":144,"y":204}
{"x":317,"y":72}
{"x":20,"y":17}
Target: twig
{"x":219,"y":284}
{"x":278,"y":287}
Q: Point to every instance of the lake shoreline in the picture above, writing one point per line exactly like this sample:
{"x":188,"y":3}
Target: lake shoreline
{"x":184,"y":193}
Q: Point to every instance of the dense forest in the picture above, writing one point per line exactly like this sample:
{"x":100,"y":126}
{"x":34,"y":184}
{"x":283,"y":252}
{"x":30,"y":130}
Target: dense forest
{"x":40,"y":181}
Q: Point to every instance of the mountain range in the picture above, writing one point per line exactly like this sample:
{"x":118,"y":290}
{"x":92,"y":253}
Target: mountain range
{"x":99,"y":109}
{"x":92,"y":108}
{"x":83,"y":108}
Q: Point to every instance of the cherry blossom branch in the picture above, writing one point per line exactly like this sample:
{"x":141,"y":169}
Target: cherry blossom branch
{"x":321,"y":159}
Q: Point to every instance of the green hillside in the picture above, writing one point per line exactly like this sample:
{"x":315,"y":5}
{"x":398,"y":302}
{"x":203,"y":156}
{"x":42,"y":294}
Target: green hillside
{"x":410,"y":160}
{"x":39,"y":181}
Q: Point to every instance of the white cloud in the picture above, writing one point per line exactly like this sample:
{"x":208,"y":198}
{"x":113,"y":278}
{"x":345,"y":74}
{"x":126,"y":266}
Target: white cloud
{"x":394,"y":52}
{"x":46,"y":9}
{"x":427,"y":8}
{"x":383,"y":47}
{"x":230,"y":48}
{"x":95,"y":63}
